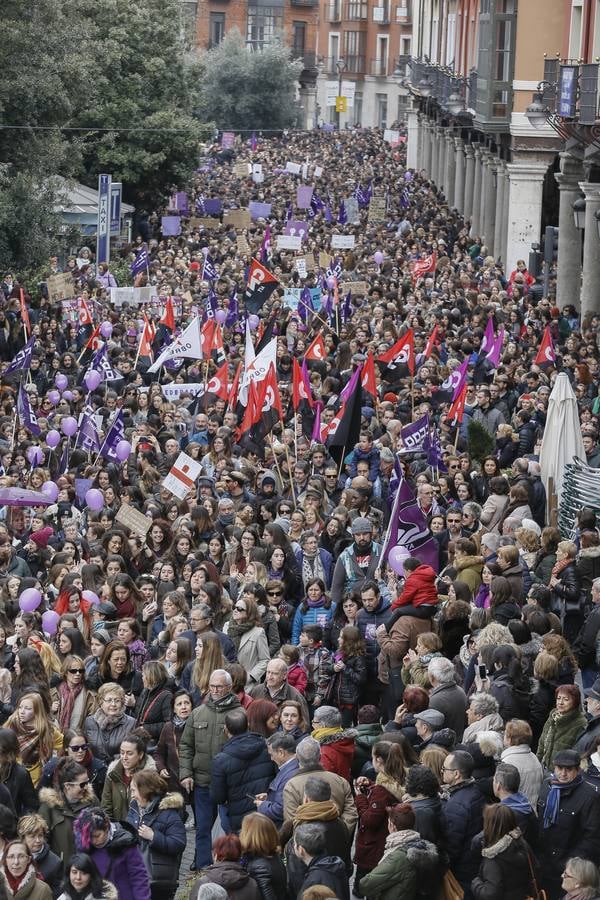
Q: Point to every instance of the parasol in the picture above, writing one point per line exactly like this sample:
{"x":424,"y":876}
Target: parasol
{"x":13,"y":496}
{"x":562,"y":435}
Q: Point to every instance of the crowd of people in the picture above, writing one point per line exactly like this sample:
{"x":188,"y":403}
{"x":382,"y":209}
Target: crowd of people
{"x":250,"y":664}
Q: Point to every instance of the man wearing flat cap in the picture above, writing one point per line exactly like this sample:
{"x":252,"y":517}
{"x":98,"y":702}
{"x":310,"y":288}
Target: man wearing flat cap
{"x":568,"y":820}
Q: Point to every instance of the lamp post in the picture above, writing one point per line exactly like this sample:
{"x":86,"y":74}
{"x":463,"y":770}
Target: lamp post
{"x":341,"y":68}
{"x":579,"y":213}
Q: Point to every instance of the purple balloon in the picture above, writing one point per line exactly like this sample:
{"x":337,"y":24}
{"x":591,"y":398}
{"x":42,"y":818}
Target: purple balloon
{"x":50,"y":621}
{"x":29,"y":600}
{"x":106,"y":329}
{"x":35,"y":456}
{"x":54,"y":397}
{"x":67,"y":395}
{"x":396,"y":559}
{"x":92,"y":379}
{"x":331,"y":282}
{"x":221,"y":316}
{"x":61,"y":381}
{"x":90,"y":596}
{"x":253,"y":322}
{"x":50,"y":489}
{"x":68,"y":426}
{"x":123,"y":449}
{"x":53,"y":438}
{"x":378,"y":257}
{"x":94,"y":499}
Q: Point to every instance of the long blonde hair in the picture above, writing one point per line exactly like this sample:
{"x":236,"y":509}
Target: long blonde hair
{"x":211,"y":659}
{"x":41,"y":725}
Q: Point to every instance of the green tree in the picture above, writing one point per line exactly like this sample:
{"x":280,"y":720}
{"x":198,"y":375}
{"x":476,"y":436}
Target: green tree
{"x":242,"y":89}
{"x":481,"y":442}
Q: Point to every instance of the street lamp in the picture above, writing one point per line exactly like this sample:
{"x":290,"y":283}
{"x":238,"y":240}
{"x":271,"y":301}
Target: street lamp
{"x":455,"y":104}
{"x":579,"y":213}
{"x":341,"y":68}
{"x":536,"y":112}
{"x":425,"y":86}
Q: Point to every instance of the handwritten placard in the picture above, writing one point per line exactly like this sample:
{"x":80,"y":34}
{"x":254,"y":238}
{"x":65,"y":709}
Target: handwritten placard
{"x":343,"y":241}
{"x":242,"y":244}
{"x":60,"y":287}
{"x":237,"y":218}
{"x":242,"y":169}
{"x":134,"y":520}
{"x":206,"y":223}
{"x":377,"y":208}
{"x":358,"y":288}
{"x":324,"y":260}
{"x":289,"y":242}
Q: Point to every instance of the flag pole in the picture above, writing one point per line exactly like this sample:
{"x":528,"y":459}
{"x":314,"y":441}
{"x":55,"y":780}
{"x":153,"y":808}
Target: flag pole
{"x":287,"y":456}
{"x":277,"y":466}
{"x":456,"y":436}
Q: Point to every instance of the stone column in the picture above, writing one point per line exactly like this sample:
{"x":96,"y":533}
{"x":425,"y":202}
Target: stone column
{"x":435,"y":154}
{"x":505,"y":212}
{"x":485,"y":176}
{"x":524,"y":209}
{"x":458,"y":199}
{"x":412,"y":139}
{"x":450,"y":173}
{"x":489,"y":211}
{"x":441,"y":161}
{"x":420,"y":140}
{"x":426,"y":160}
{"x":475,"y":219}
{"x":590,"y":295}
{"x":469,"y":181}
{"x":501,"y":179}
{"x":568,"y":272}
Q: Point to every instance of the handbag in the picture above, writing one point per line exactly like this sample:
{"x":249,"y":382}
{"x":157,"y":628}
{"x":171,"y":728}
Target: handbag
{"x":538,"y":894}
{"x":450,"y":888}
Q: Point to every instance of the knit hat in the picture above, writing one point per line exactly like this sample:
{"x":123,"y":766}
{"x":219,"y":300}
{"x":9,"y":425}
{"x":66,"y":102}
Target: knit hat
{"x":361,"y":525}
{"x":40,"y":538}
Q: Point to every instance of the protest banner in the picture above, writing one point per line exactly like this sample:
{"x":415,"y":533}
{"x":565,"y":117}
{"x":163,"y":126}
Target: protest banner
{"x":293,"y":168}
{"x":296,"y":227}
{"x":133,"y":296}
{"x":242,"y":244}
{"x":60,"y":287}
{"x":324,"y":260}
{"x":358,"y":288}
{"x":175,"y":391}
{"x":237,"y":218}
{"x":288,"y":242}
{"x":343,"y":241}
{"x":242,"y":169}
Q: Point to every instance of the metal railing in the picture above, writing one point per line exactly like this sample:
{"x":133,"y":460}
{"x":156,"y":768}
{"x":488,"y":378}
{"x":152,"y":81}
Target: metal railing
{"x":379,"y":68}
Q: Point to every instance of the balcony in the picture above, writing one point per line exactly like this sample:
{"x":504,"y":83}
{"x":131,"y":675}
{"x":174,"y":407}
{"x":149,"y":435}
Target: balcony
{"x":381,"y":15}
{"x":403,"y":13}
{"x":356,"y":11}
{"x":379,"y":68}
{"x":305,"y":2}
{"x":333,"y":12}
{"x":355,"y":65}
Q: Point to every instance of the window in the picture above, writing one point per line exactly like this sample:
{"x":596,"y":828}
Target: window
{"x":358,"y":104}
{"x":382,"y":106}
{"x":402,"y":107}
{"x":357,"y":10}
{"x":298,"y":38}
{"x":263,"y":23}
{"x":216,"y":28}
{"x":495,"y":66}
{"x":355,"y":43}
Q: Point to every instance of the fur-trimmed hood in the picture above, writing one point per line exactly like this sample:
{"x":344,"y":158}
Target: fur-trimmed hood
{"x":421,"y":853}
{"x":501,"y":845}
{"x":115,"y":769}
{"x":468,"y":562}
{"x":109,"y":892}
{"x":53,"y":799}
{"x":589,"y":553}
{"x":172,"y":800}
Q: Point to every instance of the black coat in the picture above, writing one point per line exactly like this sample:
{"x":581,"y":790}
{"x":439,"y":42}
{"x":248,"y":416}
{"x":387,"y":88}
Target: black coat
{"x":329,"y":871}
{"x":20,"y":787}
{"x":153,"y":709}
{"x":51,"y":868}
{"x":504,"y":873}
{"x":269,"y":874}
{"x":428,"y":820}
{"x":242,"y":768}
{"x":337,"y":843}
{"x":542,"y":701}
{"x":162,"y":854}
{"x":576,"y":831}
{"x":346,"y":685}
{"x":513,"y":700}
{"x":463,"y":819}
{"x":585,"y":645}
{"x":567,"y":603}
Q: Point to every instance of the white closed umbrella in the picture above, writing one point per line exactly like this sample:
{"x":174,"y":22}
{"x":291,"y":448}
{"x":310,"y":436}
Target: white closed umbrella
{"x":562,"y":440}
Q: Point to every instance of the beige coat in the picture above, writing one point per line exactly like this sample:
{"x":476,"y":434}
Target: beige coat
{"x":492,"y":511}
{"x":253,"y":654}
{"x":393,"y":646}
{"x":341,"y":794}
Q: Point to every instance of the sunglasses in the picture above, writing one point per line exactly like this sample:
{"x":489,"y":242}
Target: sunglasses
{"x":75,"y":748}
{"x":240,"y":608}
{"x":76,"y":671}
{"x":275,"y":593}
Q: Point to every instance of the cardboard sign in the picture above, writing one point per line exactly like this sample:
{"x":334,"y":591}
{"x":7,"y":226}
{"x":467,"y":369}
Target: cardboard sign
{"x":289,"y":242}
{"x":304,"y":194}
{"x":237,"y":218}
{"x":358,"y":288}
{"x":351,"y":207}
{"x":182,"y":477}
{"x":204,"y":222}
{"x":391,"y":136}
{"x":242,"y":244}
{"x":293,"y":168}
{"x":318,"y":171}
{"x":60,"y":287}
{"x":133,"y":296}
{"x":309,"y":261}
{"x":342,"y":241}
{"x":377,"y":208}
{"x":241,"y":169}
{"x":324,"y":260}
{"x":134,"y":520}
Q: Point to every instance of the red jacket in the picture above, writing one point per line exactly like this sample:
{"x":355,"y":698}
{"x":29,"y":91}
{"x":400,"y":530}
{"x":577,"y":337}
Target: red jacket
{"x":337,"y":755}
{"x":419,"y":588}
{"x":298,"y":677}
{"x":372,"y":825}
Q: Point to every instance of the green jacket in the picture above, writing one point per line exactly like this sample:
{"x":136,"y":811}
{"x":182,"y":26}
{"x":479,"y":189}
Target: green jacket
{"x":60,"y":819}
{"x":203,"y":737}
{"x":560,"y":733}
{"x":395,"y":878}
{"x":115,"y":796}
{"x":364,"y":741}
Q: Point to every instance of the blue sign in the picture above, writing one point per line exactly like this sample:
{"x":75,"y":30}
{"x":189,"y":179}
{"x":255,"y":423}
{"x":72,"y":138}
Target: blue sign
{"x":116,"y":189}
{"x":567,"y":91}
{"x":103,"y":228}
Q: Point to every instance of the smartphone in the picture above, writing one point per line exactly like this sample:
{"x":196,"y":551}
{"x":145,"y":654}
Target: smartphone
{"x":482,"y":672}
{"x":251,"y":797}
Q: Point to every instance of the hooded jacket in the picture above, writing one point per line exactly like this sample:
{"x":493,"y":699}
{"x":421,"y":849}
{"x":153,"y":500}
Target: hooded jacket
{"x":115,"y":796}
{"x":469,"y":569}
{"x":504,"y":873}
{"x":164,"y":815}
{"x":242,"y":767}
{"x":419,"y":589}
{"x":329,"y":871}
{"x":203,"y":737}
{"x":60,"y":817}
{"x":120,"y":861}
{"x":233,"y":877}
{"x":409,"y":863}
{"x":337,"y":749}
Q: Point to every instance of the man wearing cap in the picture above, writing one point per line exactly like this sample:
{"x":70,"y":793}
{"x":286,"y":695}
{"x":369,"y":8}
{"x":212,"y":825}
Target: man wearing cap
{"x":589,"y":738}
{"x":568,"y":820}
{"x":358,"y":562}
{"x":427,"y":723}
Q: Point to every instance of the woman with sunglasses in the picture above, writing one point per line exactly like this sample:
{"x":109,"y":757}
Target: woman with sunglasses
{"x":60,"y":805}
{"x":77,"y":748}
{"x":75,"y":701}
{"x":282,"y":611}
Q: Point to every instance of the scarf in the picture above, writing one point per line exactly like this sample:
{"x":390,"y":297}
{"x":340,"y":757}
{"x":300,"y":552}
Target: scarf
{"x":390,"y":785}
{"x":68,"y":696}
{"x":398,"y":840}
{"x":553,"y":801}
{"x":178,"y":722}
{"x":29,"y":744}
{"x":16,"y":883}
{"x":584,"y":893}
{"x":316,"y":811}
{"x":312,"y":567}
{"x":237,"y":630}
{"x":558,"y":567}
{"x":108,"y":722}
{"x":319,"y":734}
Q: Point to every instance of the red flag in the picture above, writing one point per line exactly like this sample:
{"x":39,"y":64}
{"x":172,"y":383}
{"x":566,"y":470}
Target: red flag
{"x":168,"y":316}
{"x":217,"y":386}
{"x":403,"y":351}
{"x":147,"y":338}
{"x":252,"y":412}
{"x":457,"y":410}
{"x":208,"y":336}
{"x":431,"y":342}
{"x":235,"y":387}
{"x":300,"y":389}
{"x":317,"y":349}
{"x":546,"y":354}
{"x":24,"y":312}
{"x":269,"y":402}
{"x":368,"y":377}
{"x":93,"y":343}
{"x":85,"y":316}
{"x":217,"y":343}
{"x":423,"y":266}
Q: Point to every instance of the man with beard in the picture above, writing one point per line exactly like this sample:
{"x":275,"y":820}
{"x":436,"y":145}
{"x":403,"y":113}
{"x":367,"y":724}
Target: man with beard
{"x":358,"y":562}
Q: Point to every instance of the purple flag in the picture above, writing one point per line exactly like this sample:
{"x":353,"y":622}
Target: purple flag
{"x":297,"y":228}
{"x":495,"y":351}
{"x":305,"y":305}
{"x":349,"y":388}
{"x":181,"y":202}
{"x":316,"y":431}
{"x":208,"y":269}
{"x":233,"y":312}
{"x":408,"y":528}
{"x":289,"y":211}
{"x":253,"y":142}
{"x":227,"y":140}
{"x":63,"y":466}
{"x":213,"y":207}
{"x":115,"y":433}
{"x":200,"y":207}
{"x":171,"y":226}
{"x":304,"y":194}
{"x":462,"y":377}
{"x":265,"y":250}
{"x":141,"y":261}
{"x":433,"y":449}
{"x":25,"y":412}
{"x":342,"y":217}
{"x":328,"y":216}
{"x":347,"y":307}
{"x":487,"y":341}
{"x":414,"y":435}
{"x":22,"y":360}
{"x":87,"y":436}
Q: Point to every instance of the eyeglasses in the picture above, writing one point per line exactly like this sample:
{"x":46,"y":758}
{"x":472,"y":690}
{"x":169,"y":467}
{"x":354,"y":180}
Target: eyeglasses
{"x":240,"y":608}
{"x":447,"y":769}
{"x":275,"y":593}
{"x":79,"y":784}
{"x":218,"y":687}
{"x":76,"y":671}
{"x":77,"y":748}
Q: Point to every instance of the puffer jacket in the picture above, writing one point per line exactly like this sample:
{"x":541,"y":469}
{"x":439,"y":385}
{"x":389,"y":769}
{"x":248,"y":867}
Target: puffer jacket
{"x":504,"y":873}
{"x":561,"y":732}
{"x":346,"y":685}
{"x":60,"y":817}
{"x":121,"y":862}
{"x":162,"y":855}
{"x":462,"y":814}
{"x":337,"y":750}
{"x":233,"y":877}
{"x":115,"y":796}
{"x":409,"y":862}
{"x":242,"y":767}
{"x":105,"y":742}
{"x":203,"y":737}
{"x":368,"y":623}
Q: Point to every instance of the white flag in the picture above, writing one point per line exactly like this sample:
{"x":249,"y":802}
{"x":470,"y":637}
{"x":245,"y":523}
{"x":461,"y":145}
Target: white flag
{"x":257,"y":370}
{"x":189,"y":343}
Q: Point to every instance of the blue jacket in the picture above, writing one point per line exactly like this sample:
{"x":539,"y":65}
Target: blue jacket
{"x":314,"y":615}
{"x":372,"y":457}
{"x":241,"y":770}
{"x":462,"y":814}
{"x":164,"y":816}
{"x":368,"y":623}
{"x":273,"y":805}
{"x":326,"y":562}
